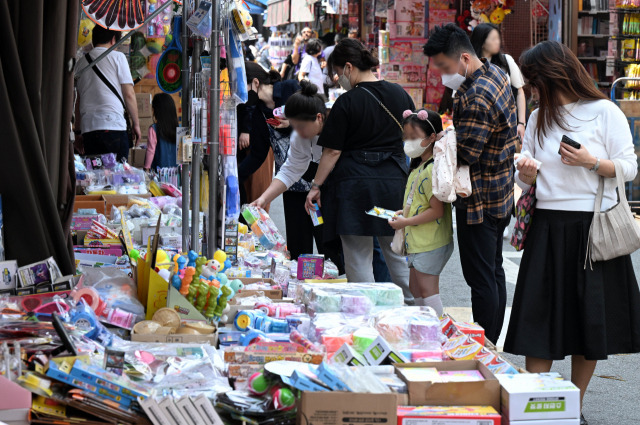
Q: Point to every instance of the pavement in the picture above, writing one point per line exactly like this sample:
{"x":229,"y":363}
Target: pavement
{"x":614,"y":392}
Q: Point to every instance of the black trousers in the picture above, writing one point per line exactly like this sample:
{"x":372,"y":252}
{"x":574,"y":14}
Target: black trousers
{"x":301,"y":231}
{"x":107,"y":141}
{"x":480,"y":248}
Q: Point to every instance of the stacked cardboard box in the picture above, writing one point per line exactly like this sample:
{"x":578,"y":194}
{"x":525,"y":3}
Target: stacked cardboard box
{"x":539,"y":399}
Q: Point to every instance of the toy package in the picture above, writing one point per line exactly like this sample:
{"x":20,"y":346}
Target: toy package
{"x":381,"y":213}
{"x":263,"y":228}
{"x":45,"y":271}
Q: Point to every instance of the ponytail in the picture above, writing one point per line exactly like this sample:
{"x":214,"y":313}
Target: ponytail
{"x":305,"y":104}
{"x":354,"y":52}
{"x":255,"y":71}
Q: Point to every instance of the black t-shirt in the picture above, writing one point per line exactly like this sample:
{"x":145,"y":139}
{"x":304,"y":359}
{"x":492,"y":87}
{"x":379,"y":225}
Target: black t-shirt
{"x":358,"y":122}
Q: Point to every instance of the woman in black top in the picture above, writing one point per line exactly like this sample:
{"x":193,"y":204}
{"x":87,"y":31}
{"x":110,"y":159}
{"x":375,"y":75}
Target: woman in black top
{"x":267,"y":92}
{"x":363,"y":163}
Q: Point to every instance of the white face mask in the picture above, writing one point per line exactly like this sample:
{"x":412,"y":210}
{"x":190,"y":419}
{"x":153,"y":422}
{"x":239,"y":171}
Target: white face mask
{"x":413,"y":149}
{"x":344,"y":82}
{"x":454,"y":81}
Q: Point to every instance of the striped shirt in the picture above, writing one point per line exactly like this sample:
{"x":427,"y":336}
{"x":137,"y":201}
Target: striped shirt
{"x":484,"y":116}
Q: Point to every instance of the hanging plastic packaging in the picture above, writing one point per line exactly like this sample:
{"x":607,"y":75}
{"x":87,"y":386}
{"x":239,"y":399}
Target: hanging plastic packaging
{"x":237,"y":75}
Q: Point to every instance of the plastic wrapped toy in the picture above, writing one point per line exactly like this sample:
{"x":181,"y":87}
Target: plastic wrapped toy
{"x":410,"y":328}
{"x":263,"y":228}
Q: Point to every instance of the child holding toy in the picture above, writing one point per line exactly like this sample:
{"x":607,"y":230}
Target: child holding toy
{"x":161,"y":148}
{"x":427,"y":220}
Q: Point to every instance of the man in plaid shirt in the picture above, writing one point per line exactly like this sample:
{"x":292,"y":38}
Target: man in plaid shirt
{"x":484,"y":116}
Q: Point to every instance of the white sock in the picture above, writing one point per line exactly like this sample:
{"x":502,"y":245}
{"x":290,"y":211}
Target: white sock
{"x":435,"y":303}
{"x":418,"y":301}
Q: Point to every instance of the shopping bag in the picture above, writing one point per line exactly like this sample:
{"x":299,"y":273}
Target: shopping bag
{"x":524,"y":215}
{"x":449,"y":179}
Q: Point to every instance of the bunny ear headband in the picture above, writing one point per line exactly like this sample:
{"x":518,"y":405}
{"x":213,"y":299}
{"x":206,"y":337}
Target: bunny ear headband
{"x":422,"y":115}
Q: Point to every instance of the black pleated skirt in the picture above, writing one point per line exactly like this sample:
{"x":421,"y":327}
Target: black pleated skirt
{"x":562,"y":309}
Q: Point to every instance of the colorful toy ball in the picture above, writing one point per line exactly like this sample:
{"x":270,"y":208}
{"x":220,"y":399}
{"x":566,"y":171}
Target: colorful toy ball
{"x":283,"y":399}
{"x":258,"y":384}
{"x":220,"y":256}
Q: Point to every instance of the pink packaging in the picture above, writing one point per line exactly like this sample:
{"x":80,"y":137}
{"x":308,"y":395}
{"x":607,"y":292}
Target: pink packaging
{"x":310,"y":266}
{"x":434,"y":94}
{"x":441,"y":17}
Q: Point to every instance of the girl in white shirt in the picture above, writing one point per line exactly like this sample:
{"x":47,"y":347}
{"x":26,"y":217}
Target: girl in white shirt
{"x":562,"y":308}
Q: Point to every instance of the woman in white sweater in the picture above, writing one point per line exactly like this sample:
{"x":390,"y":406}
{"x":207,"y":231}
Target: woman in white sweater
{"x":561,"y":308}
{"x":306,"y":112}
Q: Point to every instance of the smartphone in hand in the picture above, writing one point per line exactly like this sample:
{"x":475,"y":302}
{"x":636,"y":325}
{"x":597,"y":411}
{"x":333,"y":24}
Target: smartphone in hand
{"x":273,"y":122}
{"x":569,"y":141}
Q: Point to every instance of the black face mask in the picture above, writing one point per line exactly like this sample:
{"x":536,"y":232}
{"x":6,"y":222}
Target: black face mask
{"x":253,"y":98}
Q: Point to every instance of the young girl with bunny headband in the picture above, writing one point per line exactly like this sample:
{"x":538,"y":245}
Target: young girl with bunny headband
{"x":426,"y":220}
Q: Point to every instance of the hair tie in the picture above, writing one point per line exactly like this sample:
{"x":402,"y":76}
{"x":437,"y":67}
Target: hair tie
{"x":423,"y":115}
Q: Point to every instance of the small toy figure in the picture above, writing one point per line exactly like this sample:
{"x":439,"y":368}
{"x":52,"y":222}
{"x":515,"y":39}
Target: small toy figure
{"x":200,"y":262}
{"x":236,"y":286}
{"x":192,"y":255}
{"x":188,"y":277}
{"x":193,"y":290}
{"x":220,"y":256}
{"x":222,"y":302}
{"x":176,"y":282}
{"x":203,"y":294}
{"x":213,"y":301}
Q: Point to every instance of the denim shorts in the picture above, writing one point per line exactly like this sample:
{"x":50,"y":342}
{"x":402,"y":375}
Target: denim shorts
{"x":431,"y":262}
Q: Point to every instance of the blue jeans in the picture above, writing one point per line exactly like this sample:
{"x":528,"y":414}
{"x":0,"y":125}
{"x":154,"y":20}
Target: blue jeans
{"x":380,"y":269}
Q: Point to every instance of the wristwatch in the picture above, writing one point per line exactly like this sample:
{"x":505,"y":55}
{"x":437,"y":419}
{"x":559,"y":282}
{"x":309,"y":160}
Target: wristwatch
{"x":595,"y":167}
{"x":314,"y":184}
{"x":521,"y":123}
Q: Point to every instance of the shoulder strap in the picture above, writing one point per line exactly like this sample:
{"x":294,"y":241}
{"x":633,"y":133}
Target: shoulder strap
{"x":383,"y":107}
{"x":105,"y":81}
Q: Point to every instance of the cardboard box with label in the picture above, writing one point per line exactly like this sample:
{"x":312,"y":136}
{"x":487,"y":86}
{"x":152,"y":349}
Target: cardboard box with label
{"x":438,"y":415}
{"x":527,"y":397}
{"x":479,"y":393}
{"x":337,"y":407}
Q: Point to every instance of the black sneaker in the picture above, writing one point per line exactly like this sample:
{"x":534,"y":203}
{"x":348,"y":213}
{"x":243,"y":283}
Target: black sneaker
{"x":583,"y":421}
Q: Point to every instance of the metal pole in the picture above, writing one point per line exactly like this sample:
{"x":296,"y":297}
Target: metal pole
{"x":214,"y":128}
{"x":186,"y":103}
{"x":197,"y":151}
{"x":195,"y":198}
{"x":129,"y":34}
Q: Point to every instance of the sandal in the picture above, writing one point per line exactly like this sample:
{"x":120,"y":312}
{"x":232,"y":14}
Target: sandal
{"x":583,"y":421}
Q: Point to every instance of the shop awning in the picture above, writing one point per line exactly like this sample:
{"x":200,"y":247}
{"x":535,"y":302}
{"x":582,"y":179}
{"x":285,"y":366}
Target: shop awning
{"x":302,"y":10}
{"x":278,"y":12}
{"x":256,"y":7}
